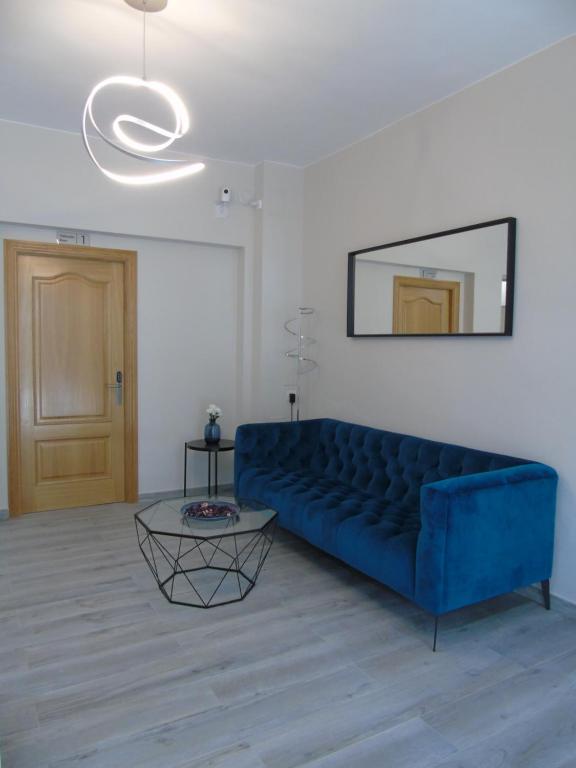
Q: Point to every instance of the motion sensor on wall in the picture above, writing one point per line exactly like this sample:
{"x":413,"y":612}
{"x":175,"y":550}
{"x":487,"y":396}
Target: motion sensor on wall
{"x":225,"y":195}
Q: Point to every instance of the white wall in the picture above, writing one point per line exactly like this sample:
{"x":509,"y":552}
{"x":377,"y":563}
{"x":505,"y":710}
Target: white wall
{"x":504,"y":147}
{"x":279,"y":254}
{"x":188,"y":349}
{"x":47,"y":180}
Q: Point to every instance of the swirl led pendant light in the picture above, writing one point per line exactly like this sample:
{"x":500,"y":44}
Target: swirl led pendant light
{"x":122,"y":140}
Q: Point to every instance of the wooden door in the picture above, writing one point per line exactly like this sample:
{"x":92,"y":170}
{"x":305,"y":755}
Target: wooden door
{"x":425,"y":306}
{"x":71,"y":372}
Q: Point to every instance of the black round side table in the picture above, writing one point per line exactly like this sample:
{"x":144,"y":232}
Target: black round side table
{"x":212,"y":449}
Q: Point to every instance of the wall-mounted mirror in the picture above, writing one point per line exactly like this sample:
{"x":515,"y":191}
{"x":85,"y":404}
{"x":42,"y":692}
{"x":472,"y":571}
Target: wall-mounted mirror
{"x":454,"y":283}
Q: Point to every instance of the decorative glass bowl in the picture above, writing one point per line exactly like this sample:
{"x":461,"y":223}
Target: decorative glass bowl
{"x":209,"y":510}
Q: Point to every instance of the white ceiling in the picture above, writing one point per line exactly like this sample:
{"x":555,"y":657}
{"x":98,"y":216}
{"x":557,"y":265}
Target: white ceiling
{"x":283,"y":80}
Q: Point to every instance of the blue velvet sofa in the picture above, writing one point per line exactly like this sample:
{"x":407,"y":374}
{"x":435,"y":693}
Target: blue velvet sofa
{"x":443,"y":525}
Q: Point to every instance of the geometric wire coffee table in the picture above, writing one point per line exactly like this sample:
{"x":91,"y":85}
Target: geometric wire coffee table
{"x":204,"y":563}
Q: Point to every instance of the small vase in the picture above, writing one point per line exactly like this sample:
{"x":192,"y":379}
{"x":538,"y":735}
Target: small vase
{"x":212,"y":433}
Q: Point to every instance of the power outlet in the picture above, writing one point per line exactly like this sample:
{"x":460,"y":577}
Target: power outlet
{"x":291,"y":394}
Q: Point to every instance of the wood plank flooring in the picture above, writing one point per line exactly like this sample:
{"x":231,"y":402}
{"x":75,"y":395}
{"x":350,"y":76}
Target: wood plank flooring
{"x":318,"y":667}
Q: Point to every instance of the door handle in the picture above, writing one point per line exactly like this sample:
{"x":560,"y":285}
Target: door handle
{"x":117,"y":387}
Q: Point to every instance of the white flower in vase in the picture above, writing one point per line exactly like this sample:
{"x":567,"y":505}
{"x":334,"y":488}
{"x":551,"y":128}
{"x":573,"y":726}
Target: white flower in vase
{"x":214,"y":412}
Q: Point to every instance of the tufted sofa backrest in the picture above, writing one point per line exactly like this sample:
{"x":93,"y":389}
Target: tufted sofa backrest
{"x":389,"y":464}
{"x":383,"y":464}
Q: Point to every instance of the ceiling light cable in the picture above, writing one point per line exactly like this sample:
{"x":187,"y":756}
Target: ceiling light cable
{"x":144,"y":14}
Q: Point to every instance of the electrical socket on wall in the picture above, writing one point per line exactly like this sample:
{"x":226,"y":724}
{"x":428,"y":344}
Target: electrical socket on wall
{"x":291,"y":391}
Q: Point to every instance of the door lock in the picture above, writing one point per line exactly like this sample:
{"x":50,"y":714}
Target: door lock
{"x":117,"y":387}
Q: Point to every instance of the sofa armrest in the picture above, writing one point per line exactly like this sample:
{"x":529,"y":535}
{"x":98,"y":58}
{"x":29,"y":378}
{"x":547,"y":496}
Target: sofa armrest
{"x":484,"y":535}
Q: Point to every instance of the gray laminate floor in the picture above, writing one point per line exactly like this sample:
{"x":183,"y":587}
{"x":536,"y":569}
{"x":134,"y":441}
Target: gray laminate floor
{"x":319,"y":667}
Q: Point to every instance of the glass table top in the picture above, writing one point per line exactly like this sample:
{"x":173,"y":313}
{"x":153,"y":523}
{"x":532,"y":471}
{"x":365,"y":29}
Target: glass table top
{"x":165,"y":517}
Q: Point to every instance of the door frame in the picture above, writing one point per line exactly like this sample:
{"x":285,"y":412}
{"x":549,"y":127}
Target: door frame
{"x":405,"y":281}
{"x":12,"y":250}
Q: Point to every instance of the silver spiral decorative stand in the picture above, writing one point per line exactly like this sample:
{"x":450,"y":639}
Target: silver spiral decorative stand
{"x":304,"y":364}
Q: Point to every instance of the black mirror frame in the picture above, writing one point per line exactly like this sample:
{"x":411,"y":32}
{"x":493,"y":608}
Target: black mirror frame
{"x":510,"y":273}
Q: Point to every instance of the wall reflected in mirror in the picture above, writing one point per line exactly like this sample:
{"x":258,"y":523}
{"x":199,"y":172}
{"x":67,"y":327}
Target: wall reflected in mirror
{"x":458,"y":282}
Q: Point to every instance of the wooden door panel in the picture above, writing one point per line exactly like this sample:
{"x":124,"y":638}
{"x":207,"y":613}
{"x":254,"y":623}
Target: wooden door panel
{"x":72,"y":359}
{"x":73,"y":459}
{"x":72,"y":431}
{"x":425,"y":306}
{"x":423,"y":312}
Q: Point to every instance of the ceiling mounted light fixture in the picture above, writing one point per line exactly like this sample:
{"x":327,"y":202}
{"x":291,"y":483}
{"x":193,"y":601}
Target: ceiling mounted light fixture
{"x":122,"y":140}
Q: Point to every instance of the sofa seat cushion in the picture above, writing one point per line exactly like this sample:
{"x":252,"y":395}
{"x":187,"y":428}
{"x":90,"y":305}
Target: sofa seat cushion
{"x":375,"y":536}
{"x":380,"y":540}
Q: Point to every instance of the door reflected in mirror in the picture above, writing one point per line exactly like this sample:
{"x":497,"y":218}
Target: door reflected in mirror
{"x":458,"y":282}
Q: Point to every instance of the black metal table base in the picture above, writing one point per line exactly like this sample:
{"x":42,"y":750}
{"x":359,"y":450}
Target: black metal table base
{"x":212,"y":449}
{"x":206,"y":572}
